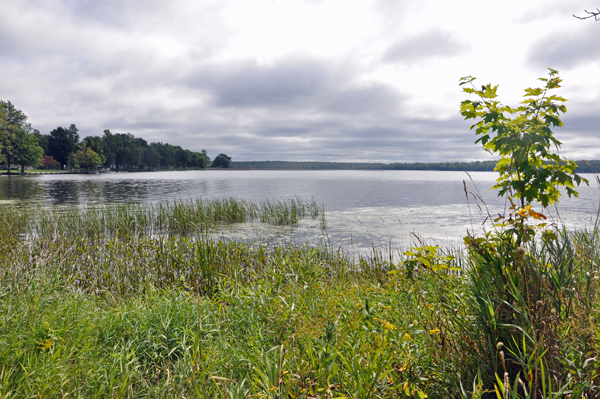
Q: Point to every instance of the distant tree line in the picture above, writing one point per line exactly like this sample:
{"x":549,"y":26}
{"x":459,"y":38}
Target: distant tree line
{"x":476,"y":166}
{"x":22,"y":145}
{"x":290,"y":165}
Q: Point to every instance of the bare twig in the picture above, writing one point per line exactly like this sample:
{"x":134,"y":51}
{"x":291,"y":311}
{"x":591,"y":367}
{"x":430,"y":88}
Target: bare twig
{"x":594,"y":14}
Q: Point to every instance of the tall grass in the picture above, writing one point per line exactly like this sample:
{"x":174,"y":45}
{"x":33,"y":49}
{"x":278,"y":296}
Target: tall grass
{"x":110,"y":307}
{"x":181,"y":218}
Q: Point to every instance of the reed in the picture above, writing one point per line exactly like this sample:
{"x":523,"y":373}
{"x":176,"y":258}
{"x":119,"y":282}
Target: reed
{"x":181,"y":218}
{"x":121,"y":301}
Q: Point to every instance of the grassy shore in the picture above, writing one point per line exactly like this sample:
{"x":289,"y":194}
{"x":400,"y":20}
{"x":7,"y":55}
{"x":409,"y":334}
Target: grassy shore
{"x":133,"y":301}
{"x":33,"y":171}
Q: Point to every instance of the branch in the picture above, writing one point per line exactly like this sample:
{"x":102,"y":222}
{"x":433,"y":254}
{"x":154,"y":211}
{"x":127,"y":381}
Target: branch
{"x":595,"y":14}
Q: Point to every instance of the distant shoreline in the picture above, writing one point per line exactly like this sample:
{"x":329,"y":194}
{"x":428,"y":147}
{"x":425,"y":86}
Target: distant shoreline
{"x":476,"y":166}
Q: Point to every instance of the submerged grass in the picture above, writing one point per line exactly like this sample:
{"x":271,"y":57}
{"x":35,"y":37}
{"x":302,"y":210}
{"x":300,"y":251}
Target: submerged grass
{"x":105,"y":306}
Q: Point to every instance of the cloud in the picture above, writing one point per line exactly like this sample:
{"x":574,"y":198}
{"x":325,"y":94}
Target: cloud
{"x":376,"y":99}
{"x":566,"y":50}
{"x":190,"y":74}
{"x":297,"y":84}
{"x":426,"y":45}
{"x":249,"y":84}
{"x":558,"y":9}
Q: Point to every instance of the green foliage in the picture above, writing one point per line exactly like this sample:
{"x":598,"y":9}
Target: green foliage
{"x":428,"y":258}
{"x":523,"y":138}
{"x":3,"y":132}
{"x":221,"y":161}
{"x":62,"y":143}
{"x":317,"y":165}
{"x":14,"y":130}
{"x":130,"y":311}
{"x":525,"y":295}
{"x":26,"y":151}
{"x":151,"y":157}
{"x":86,"y":158}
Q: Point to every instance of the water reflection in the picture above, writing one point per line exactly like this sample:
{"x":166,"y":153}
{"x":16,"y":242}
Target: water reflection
{"x":363,"y":208}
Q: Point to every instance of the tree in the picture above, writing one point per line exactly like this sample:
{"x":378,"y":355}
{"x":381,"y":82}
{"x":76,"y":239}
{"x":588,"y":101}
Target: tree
{"x":42,"y":140}
{"x":62,"y":142}
{"x":95,"y":144}
{"x":109,"y":146}
{"x":181,"y":157}
{"x":592,"y":14}
{"x":124,"y":149}
{"x":26,"y":151}
{"x":202,"y":160}
{"x":167,"y":154}
{"x":522,"y":137}
{"x":221,"y":161}
{"x":86,"y":158}
{"x":49,"y":162}
{"x":3,"y":129}
{"x":13,"y":120}
{"x":151,"y":157}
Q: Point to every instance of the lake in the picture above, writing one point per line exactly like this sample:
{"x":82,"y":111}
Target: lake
{"x":364,"y":208}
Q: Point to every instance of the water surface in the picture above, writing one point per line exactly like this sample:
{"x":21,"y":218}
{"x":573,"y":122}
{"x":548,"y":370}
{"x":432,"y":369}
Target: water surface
{"x":363,"y":208}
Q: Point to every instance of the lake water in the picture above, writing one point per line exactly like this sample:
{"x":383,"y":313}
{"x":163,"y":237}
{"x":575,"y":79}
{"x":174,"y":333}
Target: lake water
{"x":363,"y":208}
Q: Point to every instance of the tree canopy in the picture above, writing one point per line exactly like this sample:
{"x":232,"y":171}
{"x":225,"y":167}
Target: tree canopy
{"x":86,"y":158}
{"x":62,"y":142}
{"x":18,"y":143}
{"x":221,"y":161}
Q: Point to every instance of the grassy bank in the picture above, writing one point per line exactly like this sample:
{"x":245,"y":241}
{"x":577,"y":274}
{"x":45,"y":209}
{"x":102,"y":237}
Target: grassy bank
{"x":33,"y":171}
{"x":117,"y":302}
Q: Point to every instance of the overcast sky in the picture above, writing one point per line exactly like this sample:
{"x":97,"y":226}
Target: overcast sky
{"x":334,"y":80}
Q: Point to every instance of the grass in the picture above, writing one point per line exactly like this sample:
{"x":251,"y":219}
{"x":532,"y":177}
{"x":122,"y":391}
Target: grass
{"x":181,"y":218}
{"x":36,"y":171}
{"x":140,"y":306}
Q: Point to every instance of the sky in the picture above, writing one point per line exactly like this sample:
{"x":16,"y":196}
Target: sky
{"x":296,"y":80}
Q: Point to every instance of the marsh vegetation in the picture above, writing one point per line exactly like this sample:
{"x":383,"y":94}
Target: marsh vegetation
{"x":115,"y":301}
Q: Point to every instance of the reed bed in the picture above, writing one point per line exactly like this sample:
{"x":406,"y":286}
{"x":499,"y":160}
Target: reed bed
{"x":175,"y":218}
{"x":102,"y":313}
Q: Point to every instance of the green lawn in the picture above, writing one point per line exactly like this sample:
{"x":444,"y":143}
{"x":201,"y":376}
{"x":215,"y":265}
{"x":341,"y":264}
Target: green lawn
{"x":17,"y":171}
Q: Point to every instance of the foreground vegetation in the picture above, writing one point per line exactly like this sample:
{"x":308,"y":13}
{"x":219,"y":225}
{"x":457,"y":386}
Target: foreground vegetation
{"x":128,"y":310}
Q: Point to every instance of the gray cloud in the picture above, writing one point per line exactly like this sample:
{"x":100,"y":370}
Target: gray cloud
{"x":304,"y":84}
{"x":432,"y":44}
{"x":248,"y":84}
{"x":162,"y":71}
{"x":566,"y":50}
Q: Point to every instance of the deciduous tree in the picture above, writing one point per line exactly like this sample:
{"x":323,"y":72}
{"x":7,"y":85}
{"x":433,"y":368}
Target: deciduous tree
{"x":221,"y":161}
{"x":26,"y":151}
{"x":49,"y":162}
{"x":151,"y":157}
{"x":523,"y":138}
{"x":62,"y":142}
{"x":86,"y":158}
{"x":182,"y":157}
{"x":13,"y":120}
